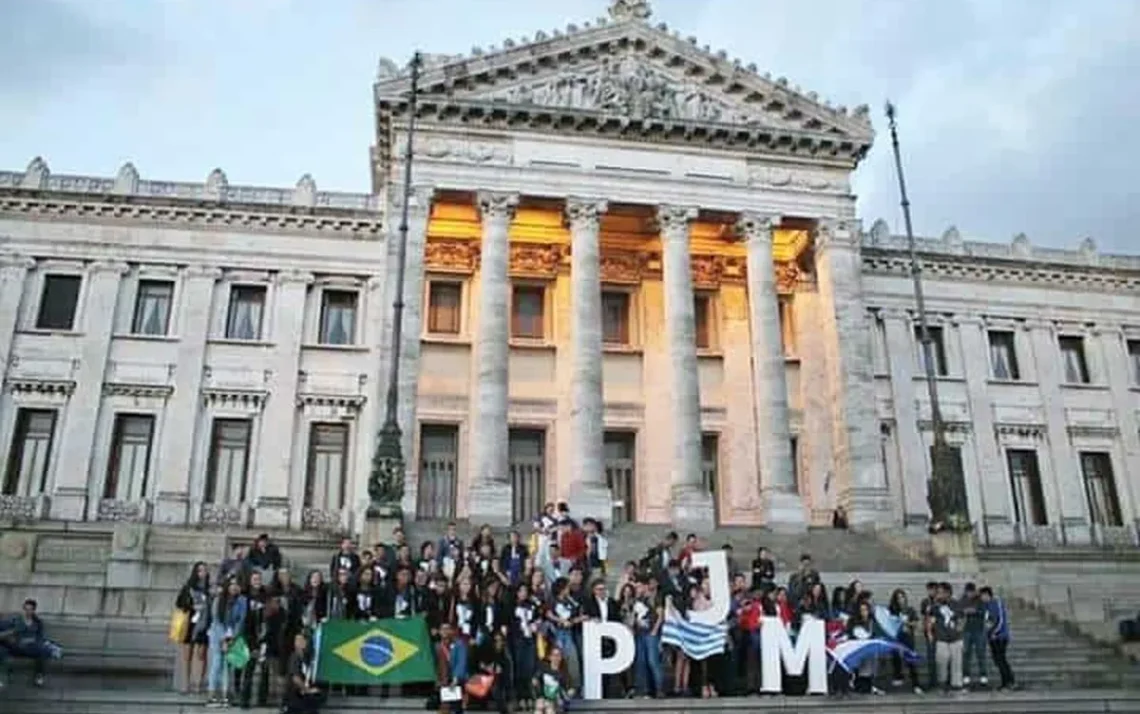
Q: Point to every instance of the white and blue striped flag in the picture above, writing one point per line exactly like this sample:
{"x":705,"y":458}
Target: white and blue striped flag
{"x":697,"y":640}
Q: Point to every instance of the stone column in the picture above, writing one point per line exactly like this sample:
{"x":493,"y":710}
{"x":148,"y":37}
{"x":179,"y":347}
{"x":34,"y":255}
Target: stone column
{"x":490,"y":487}
{"x":172,"y":498}
{"x":13,"y":272}
{"x":419,"y":211}
{"x":783,"y":507}
{"x":692,"y":503}
{"x":855,"y":437}
{"x":1064,"y":471}
{"x":1118,"y":371}
{"x":279,"y":417}
{"x":992,"y":490}
{"x":912,"y":454}
{"x":589,"y":493}
{"x":77,"y":436}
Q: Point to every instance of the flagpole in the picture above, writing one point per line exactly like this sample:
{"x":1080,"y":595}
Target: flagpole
{"x":316,"y":654}
{"x":946,"y":487}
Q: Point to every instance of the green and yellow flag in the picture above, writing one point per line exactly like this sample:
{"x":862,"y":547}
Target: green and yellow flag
{"x":380,"y":652}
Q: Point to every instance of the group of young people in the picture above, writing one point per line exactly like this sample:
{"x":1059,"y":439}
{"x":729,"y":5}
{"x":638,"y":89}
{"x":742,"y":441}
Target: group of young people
{"x":506,"y":619}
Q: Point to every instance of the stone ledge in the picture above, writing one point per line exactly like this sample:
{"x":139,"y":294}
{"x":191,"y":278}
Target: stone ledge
{"x":1084,"y":631}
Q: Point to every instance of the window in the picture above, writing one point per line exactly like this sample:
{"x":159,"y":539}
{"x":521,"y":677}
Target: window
{"x":795,"y":450}
{"x":338,"y":317}
{"x":1134,"y":358}
{"x":129,"y":463}
{"x":1100,"y":488}
{"x":444,"y":304}
{"x":1025,"y":484}
{"x":439,"y":464}
{"x":1003,"y":356}
{"x":937,"y":346}
{"x":615,"y":317}
{"x":152,"y":307}
{"x":31,"y":450}
{"x":619,"y":449}
{"x":58,"y":302}
{"x":787,"y":326}
{"x":528,"y":305}
{"x":526,"y":461}
{"x":1073,"y":355}
{"x":710,"y":461}
{"x":702,"y":311}
{"x":328,"y":460}
{"x":243,"y":318}
{"x":229,"y":461}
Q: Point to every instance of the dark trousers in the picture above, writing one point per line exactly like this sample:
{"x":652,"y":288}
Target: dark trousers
{"x":296,"y":703}
{"x":35,"y":652}
{"x":906,"y":640}
{"x":260,"y":672}
{"x":998,"y":650}
{"x":931,"y":670}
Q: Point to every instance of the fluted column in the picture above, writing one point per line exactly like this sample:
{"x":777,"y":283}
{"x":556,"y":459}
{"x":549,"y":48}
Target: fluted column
{"x":589,"y":493}
{"x":781,"y":502}
{"x":692,"y":503}
{"x":490,"y":490}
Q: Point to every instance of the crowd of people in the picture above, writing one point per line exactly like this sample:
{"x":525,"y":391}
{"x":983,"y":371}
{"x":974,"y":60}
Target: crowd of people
{"x":506,"y":620}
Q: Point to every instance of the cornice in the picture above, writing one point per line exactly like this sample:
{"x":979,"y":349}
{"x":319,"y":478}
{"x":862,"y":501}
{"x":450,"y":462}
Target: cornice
{"x":24,"y":385}
{"x":138,"y":391}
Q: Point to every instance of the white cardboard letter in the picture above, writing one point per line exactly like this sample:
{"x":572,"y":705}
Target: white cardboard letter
{"x":810,"y":649}
{"x":593,"y":664}
{"x":720,"y":592}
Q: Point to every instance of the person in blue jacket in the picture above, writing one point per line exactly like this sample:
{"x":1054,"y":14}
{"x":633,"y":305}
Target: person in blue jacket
{"x":227,"y":623}
{"x":23,"y":636}
{"x":997,"y":630}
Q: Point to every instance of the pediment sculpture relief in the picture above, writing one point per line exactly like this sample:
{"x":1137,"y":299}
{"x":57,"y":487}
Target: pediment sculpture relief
{"x":627,"y":87}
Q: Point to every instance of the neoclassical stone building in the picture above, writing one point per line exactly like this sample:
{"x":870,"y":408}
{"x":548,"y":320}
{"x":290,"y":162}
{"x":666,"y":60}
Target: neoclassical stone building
{"x":635,"y":280}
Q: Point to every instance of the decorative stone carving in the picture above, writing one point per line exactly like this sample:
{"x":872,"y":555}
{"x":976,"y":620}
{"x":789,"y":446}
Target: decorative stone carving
{"x":880,"y":232}
{"x":216,"y":185}
{"x":707,"y":270}
{"x":350,"y":403}
{"x":316,"y":519}
{"x":495,"y":205}
{"x":451,"y":256}
{"x":22,"y":509}
{"x":305,"y":192}
{"x":628,"y":86}
{"x":803,"y":179}
{"x":138,"y":391}
{"x":1021,"y":247}
{"x":286,"y":277}
{"x":127,"y":180}
{"x":45,"y":387}
{"x":36,"y":175}
{"x":624,"y":267}
{"x":216,"y":514}
{"x":463,"y":151}
{"x":1113,"y":536}
{"x":788,"y":276}
{"x":536,"y":260}
{"x":124,"y":511}
{"x":673,"y":221}
{"x":386,"y":69}
{"x":734,"y":269}
{"x":623,"y":10}
{"x":585,"y":213}
{"x":243,"y":400}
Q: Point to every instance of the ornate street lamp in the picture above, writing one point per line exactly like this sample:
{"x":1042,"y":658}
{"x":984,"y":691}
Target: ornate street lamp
{"x":386,"y":482}
{"x":946,"y":489}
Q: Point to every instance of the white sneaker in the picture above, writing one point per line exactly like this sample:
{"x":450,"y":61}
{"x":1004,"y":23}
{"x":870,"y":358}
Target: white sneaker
{"x":965,"y":681}
{"x":896,"y":682}
{"x":984,"y":681}
{"x":918,"y":690}
{"x":876,"y":690}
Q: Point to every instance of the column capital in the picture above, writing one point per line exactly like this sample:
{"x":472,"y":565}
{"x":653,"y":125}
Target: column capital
{"x":497,"y":205}
{"x":108,"y":266}
{"x":585,"y":213}
{"x":419,"y":204}
{"x":758,"y":226}
{"x":837,"y":232}
{"x":15,"y":260}
{"x":673,"y":221}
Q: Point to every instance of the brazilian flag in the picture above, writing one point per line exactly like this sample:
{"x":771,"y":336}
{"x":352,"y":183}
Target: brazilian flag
{"x":379,"y":652}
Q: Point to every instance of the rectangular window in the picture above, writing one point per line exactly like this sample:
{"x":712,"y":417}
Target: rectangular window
{"x":619,"y":449}
{"x":710,"y":461}
{"x":444,"y":305}
{"x":528,"y":308}
{"x":795,"y":449}
{"x":702,"y":311}
{"x":152,"y":307}
{"x":58,"y":302}
{"x":526,"y":461}
{"x":243,"y":318}
{"x":1073,"y":356}
{"x":1025,"y":485}
{"x":439,"y":464}
{"x":229,"y":461}
{"x":1003,"y":355}
{"x":937,"y":347}
{"x":28,"y":458}
{"x":328,"y":464}
{"x":338,"y":317}
{"x":1100,"y":488}
{"x":129,"y":464}
{"x":787,"y":326}
{"x":615,"y":317}
{"x":1134,"y":360}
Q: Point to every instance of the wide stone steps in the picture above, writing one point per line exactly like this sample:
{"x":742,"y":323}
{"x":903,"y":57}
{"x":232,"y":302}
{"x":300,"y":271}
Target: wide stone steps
{"x":76,"y":697}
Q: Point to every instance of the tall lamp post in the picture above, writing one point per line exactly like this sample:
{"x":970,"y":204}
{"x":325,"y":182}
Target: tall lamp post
{"x":386,"y":482}
{"x":946,"y":489}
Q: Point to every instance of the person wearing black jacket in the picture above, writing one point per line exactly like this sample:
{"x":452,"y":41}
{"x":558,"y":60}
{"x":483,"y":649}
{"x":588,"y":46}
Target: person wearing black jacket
{"x":314,"y":600}
{"x":493,"y":658}
{"x":285,"y":617}
{"x":763,"y":571}
{"x":258,"y":638}
{"x":512,"y":558}
{"x":492,"y":618}
{"x":265,"y":557}
{"x":401,"y":598}
{"x":194,"y":600}
{"x":367,"y":597}
{"x":344,"y":559}
{"x":600,"y":607}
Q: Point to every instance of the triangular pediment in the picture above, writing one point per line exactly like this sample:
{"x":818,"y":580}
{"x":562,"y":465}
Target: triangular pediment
{"x":622,"y":67}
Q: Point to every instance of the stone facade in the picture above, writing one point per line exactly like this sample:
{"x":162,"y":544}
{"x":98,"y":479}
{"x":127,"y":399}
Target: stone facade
{"x":638,"y":285}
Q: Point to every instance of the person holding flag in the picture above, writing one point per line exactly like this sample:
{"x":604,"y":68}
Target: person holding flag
{"x":903,"y":619}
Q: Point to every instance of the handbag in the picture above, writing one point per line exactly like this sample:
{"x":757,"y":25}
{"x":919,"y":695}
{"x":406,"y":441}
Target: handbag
{"x":237,"y":654}
{"x":179,"y":624}
{"x":479,"y":685}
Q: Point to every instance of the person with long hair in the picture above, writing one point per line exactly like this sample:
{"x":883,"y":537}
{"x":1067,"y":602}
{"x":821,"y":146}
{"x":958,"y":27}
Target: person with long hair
{"x":194,"y":600}
{"x":565,"y":614}
{"x":227,"y":622}
{"x":314,"y":600}
{"x":550,"y":685}
{"x":909,"y":618}
{"x":861,"y":626}
{"x":260,"y":640}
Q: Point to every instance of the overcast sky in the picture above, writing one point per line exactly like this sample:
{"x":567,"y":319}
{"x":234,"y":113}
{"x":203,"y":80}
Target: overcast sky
{"x":1016,"y":115}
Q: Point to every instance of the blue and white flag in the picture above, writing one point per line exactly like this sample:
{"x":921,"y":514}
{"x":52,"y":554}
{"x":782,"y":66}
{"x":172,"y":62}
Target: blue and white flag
{"x":889,"y":624}
{"x":697,"y":640}
{"x":849,"y":654}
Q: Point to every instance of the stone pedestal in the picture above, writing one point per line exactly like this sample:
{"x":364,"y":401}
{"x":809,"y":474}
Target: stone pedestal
{"x":592,"y":500}
{"x":378,"y":529}
{"x":490,"y":502}
{"x":959,"y":550}
{"x":783,"y":511}
{"x":127,"y":566}
{"x":693,"y":510}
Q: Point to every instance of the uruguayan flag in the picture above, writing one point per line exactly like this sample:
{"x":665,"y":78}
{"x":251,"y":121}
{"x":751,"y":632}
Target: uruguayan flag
{"x":849,"y":654}
{"x":698,"y":641}
{"x":889,"y":624}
